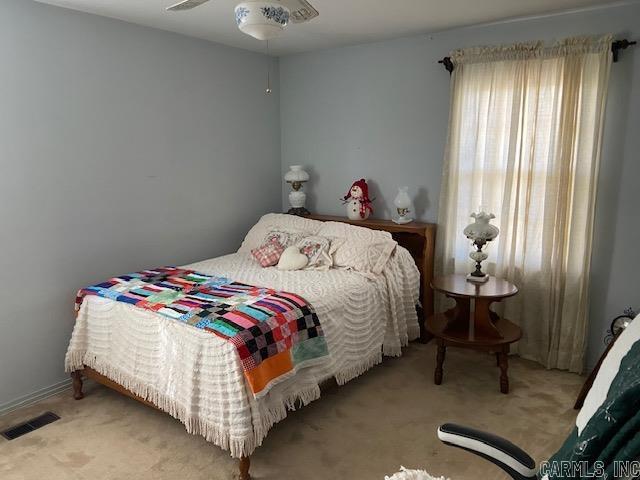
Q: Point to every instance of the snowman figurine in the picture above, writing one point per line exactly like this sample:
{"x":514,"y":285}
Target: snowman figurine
{"x":357,"y":201}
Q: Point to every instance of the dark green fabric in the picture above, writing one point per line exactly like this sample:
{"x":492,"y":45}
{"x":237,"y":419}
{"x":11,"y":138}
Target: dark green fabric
{"x":612,"y":434}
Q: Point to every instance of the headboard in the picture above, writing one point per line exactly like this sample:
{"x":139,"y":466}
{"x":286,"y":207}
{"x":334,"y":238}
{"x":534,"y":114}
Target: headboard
{"x":419,"y":239}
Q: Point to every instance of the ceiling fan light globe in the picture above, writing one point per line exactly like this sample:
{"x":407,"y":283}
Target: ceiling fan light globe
{"x":261,"y":31}
{"x":262,"y":20}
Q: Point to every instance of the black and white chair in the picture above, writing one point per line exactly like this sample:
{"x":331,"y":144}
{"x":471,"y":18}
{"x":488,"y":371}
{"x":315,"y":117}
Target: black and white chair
{"x":604,"y":444}
{"x":606,"y":437}
{"x":510,"y":458}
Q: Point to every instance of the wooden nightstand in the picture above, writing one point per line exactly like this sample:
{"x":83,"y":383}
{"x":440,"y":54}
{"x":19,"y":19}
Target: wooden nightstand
{"x":481,"y":329}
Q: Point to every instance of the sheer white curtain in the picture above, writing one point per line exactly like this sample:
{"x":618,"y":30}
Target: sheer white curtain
{"x":524,"y":142}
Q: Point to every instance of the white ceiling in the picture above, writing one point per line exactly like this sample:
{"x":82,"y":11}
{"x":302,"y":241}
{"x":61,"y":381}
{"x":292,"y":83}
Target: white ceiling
{"x":341,"y":22}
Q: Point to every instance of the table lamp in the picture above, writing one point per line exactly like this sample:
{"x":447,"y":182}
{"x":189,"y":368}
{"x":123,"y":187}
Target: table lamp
{"x":480,"y":232}
{"x":296,"y":176}
{"x":404,"y":207}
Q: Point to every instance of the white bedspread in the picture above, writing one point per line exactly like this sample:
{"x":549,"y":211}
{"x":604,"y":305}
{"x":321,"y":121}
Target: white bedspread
{"x":197,"y":377}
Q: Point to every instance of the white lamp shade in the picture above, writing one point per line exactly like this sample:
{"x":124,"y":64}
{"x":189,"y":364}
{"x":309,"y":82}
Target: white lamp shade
{"x":296,"y":174}
{"x":402,"y":199}
{"x":481,"y":229}
{"x":262,"y":20}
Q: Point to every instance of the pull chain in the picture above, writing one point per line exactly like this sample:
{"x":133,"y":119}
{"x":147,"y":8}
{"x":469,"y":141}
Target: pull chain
{"x":268,"y":90}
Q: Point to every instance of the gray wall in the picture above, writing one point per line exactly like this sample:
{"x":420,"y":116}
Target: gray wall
{"x":121,"y":147}
{"x":380,"y":111}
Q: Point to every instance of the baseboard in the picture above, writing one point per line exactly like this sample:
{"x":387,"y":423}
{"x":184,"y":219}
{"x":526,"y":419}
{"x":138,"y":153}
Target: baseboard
{"x":36,"y":396}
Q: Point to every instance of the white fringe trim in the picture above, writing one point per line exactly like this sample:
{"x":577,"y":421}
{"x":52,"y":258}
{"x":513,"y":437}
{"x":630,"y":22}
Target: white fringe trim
{"x":77,"y":360}
{"x":292,"y":373}
{"x":392,"y":350}
{"x":73,"y":360}
{"x":279,"y":413}
{"x":358,"y":369}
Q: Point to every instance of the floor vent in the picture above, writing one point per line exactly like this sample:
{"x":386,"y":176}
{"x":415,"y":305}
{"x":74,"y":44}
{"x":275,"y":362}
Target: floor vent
{"x":30,"y":425}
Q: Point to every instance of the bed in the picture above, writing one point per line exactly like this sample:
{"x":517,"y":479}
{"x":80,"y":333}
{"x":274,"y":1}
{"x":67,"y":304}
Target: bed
{"x":197,"y":378}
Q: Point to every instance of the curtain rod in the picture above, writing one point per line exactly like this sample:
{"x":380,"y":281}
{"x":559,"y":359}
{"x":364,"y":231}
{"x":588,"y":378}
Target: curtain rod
{"x":616,"y":46}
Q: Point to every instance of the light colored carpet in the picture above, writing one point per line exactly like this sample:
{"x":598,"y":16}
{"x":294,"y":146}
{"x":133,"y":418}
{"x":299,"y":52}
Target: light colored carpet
{"x":363,"y":430}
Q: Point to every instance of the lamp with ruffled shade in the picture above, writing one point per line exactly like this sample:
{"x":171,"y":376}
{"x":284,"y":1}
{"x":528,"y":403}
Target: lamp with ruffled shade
{"x":480,"y":232}
{"x":296,"y":176}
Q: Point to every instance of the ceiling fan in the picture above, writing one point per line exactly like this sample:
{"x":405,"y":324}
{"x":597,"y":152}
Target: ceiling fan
{"x":263,"y":20}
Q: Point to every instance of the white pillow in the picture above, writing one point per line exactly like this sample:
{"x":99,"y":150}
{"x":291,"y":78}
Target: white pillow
{"x":283,"y":237}
{"x":277,"y":221}
{"x":319,"y":251}
{"x":292,"y":259}
{"x":363,"y":249}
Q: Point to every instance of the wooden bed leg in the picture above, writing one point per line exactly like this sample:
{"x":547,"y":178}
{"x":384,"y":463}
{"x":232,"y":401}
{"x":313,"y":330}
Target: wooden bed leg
{"x":244,"y":464}
{"x":77,"y":384}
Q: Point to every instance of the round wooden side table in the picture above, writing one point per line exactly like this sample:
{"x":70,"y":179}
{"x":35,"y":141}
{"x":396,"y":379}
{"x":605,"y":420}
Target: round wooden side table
{"x":480,"y":329}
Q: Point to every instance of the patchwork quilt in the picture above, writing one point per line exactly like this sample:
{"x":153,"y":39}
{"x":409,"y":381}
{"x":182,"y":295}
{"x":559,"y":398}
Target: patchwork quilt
{"x":275,"y":333}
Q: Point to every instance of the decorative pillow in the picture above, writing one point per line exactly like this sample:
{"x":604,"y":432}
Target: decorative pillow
{"x":318,"y":250}
{"x":285,"y":238}
{"x":292,"y":259}
{"x":268,"y":254}
{"x":278,"y":221}
{"x":363,"y":249}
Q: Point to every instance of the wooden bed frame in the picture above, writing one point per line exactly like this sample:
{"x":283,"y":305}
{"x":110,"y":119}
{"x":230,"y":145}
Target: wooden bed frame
{"x":418,"y":238}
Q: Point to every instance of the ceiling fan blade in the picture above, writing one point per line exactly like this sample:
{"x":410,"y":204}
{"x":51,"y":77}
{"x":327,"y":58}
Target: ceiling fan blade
{"x":185,"y":5}
{"x":304,"y":13}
